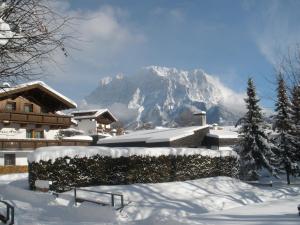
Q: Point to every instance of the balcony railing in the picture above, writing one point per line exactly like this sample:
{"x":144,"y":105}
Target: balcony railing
{"x":35,"y":118}
{"x":23,"y":144}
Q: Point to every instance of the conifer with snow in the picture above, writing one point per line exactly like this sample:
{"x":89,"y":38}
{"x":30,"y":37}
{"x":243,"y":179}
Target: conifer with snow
{"x":283,"y":125}
{"x":254,"y":147}
{"x":295,"y":117}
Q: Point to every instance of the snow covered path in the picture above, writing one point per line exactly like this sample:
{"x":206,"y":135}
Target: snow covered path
{"x":209,"y":201}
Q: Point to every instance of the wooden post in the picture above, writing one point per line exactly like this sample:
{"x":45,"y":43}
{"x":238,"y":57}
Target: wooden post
{"x":75,"y":196}
{"x":7,"y":212}
{"x":112,"y":200}
{"x":122,"y":201}
{"x":12,"y":221}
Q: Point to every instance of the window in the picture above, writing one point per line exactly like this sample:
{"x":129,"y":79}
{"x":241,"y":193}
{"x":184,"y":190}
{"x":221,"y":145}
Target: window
{"x":11,"y":106}
{"x":28,"y":108}
{"x":44,"y":110}
{"x":39,"y":134}
{"x":29,"y":134}
{"x":9,"y":159}
{"x":34,"y":134}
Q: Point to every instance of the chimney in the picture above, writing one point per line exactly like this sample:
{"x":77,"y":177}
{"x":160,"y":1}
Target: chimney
{"x":202,"y":116}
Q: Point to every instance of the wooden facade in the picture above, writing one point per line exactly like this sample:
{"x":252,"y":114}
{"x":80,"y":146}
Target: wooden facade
{"x":21,"y":110}
{"x":29,"y":117}
{"x":55,"y":121}
{"x":25,"y":144}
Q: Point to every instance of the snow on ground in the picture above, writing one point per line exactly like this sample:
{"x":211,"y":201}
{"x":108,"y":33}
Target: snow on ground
{"x":279,"y":212}
{"x":217,"y":200}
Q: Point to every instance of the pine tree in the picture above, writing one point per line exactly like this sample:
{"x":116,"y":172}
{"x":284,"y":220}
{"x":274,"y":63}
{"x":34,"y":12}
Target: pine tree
{"x":254,"y":147}
{"x":283,"y":125}
{"x":295,"y":116}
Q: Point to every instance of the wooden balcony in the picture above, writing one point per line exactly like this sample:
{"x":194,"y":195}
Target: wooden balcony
{"x":35,"y":118}
{"x":103,"y":130}
{"x":25,"y":144}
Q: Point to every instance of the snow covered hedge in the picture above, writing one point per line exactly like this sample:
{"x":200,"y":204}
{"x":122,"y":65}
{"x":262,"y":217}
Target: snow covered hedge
{"x":73,"y":166}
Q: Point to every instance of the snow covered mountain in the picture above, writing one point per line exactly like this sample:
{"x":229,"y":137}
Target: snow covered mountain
{"x":166,"y":96}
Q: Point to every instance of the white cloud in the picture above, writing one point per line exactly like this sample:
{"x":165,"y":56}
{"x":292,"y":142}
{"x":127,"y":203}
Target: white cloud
{"x":276,"y":32}
{"x":101,"y":36}
{"x":230,"y":99}
{"x":106,"y":25}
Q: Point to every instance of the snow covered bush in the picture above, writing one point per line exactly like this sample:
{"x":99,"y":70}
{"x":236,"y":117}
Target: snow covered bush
{"x":68,"y":167}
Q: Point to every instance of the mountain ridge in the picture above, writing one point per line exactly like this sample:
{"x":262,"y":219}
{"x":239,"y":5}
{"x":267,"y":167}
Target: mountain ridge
{"x":166,"y":96}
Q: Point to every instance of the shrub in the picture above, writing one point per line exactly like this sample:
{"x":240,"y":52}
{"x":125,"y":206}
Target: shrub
{"x":66,"y":172}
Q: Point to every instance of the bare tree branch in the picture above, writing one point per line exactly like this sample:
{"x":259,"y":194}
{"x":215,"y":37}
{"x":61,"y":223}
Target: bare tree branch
{"x":31,"y":31}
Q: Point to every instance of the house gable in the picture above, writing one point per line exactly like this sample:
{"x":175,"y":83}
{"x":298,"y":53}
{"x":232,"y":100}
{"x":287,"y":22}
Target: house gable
{"x":40,"y":94}
{"x":102,"y":116}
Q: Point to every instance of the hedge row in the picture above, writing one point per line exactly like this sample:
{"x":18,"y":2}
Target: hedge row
{"x":13,"y":169}
{"x":66,"y":172}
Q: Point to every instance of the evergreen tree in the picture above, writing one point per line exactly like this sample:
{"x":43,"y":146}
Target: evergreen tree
{"x":283,"y":125}
{"x":254,"y":147}
{"x":295,"y":116}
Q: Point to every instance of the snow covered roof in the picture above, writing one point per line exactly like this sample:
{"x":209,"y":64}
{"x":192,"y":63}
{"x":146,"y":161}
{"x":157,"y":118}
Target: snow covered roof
{"x":79,"y":137}
{"x":222,"y":134}
{"x":67,"y":103}
{"x":200,"y":113}
{"x":91,"y":114}
{"x":153,"y":135}
{"x":54,"y":152}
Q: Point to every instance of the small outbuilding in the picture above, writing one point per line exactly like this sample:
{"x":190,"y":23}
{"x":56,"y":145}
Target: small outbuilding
{"x":94,"y":122}
{"x":163,"y":137}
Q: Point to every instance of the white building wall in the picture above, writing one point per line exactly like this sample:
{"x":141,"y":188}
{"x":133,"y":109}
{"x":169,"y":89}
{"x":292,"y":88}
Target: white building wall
{"x":12,"y":132}
{"x":1,"y":160}
{"x":51,"y":134}
{"x":21,"y":161}
{"x":88,"y":126}
{"x":15,"y":132}
{"x":21,"y":157}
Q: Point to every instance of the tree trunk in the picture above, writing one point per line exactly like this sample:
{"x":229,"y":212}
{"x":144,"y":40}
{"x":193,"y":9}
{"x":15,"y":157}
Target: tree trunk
{"x":288,"y":177}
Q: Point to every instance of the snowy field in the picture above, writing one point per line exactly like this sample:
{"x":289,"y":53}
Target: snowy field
{"x":218,"y":200}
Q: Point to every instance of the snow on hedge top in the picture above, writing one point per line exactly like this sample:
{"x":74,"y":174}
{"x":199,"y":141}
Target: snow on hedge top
{"x":153,"y":135}
{"x":79,"y":137}
{"x":54,"y":152}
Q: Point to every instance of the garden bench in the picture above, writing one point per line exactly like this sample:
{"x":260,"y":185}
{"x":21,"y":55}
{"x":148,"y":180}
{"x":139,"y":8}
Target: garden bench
{"x":270,"y":184}
{"x":9,"y":218}
{"x":112,"y":198}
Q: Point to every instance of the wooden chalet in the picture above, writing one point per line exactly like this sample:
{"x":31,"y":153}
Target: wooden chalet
{"x":94,"y":122}
{"x":29,"y":118}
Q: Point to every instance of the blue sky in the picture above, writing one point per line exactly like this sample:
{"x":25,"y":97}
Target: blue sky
{"x":230,"y":39}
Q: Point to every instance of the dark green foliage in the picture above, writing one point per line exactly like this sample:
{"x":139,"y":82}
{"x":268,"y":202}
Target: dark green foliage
{"x":254,"y":147}
{"x":285,"y":140}
{"x":295,"y":117}
{"x":66,"y":173}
